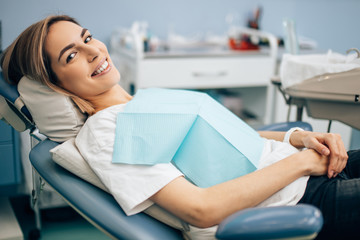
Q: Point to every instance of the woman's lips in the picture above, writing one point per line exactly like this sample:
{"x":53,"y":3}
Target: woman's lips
{"x":102,"y":68}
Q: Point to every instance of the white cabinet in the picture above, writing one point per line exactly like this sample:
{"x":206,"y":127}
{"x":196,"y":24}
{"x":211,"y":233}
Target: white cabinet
{"x":196,"y":72}
{"x":248,"y":72}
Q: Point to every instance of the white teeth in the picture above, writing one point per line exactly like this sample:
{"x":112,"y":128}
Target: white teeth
{"x":105,"y":64}
{"x":101,"y":68}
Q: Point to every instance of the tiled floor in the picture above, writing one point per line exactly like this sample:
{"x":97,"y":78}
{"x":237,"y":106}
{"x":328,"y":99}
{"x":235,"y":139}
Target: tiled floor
{"x":57,"y":223}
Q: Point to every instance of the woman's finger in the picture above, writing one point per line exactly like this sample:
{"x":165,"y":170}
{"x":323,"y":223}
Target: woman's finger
{"x":315,"y":141}
{"x":338,"y":155}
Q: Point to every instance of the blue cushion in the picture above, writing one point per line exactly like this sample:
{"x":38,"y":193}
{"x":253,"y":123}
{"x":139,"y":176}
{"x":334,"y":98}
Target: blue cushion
{"x":284,"y":126}
{"x":272,"y":223}
{"x":8,"y":91}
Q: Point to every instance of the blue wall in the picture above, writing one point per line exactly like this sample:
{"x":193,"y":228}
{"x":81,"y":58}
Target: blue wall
{"x":332,"y":23}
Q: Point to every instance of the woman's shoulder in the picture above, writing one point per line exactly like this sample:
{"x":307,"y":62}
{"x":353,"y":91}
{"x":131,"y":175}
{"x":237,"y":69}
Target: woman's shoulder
{"x":103,"y":123}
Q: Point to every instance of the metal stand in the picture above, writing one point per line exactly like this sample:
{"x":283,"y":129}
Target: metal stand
{"x":38,"y":185}
{"x":300,"y":104}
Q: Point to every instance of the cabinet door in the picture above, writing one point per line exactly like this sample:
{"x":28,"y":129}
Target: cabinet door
{"x":7,"y":165}
{"x":9,"y":156}
{"x":5,"y":133}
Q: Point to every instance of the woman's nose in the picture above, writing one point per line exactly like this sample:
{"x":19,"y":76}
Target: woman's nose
{"x":92,"y":52}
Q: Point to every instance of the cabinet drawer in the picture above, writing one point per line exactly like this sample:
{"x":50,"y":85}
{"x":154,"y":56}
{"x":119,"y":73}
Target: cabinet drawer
{"x":204,"y":72}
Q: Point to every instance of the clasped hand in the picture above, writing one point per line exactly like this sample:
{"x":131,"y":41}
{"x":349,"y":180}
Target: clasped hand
{"x":330,"y":145}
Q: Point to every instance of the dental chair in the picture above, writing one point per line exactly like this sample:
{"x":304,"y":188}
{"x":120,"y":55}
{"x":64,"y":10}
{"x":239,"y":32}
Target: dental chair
{"x":100,"y":208}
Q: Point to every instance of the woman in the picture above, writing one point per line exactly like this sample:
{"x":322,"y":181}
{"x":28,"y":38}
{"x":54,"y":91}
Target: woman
{"x":60,"y":53}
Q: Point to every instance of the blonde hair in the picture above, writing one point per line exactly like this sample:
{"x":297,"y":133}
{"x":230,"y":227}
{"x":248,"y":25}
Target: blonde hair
{"x":26,"y":56}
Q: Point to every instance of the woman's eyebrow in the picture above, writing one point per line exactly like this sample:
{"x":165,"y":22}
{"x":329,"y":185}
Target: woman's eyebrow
{"x":71,"y":45}
{"x":65,"y":49}
{"x":83,"y":32}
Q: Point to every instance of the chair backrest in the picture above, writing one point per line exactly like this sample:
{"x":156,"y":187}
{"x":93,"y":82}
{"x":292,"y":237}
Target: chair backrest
{"x":12,"y":109}
{"x":55,"y":115}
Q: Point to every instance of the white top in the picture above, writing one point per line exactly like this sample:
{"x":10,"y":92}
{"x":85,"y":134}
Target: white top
{"x":132,"y":185}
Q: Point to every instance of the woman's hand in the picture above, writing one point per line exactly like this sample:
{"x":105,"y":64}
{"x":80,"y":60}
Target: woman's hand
{"x":327,"y":144}
{"x":317,"y":164}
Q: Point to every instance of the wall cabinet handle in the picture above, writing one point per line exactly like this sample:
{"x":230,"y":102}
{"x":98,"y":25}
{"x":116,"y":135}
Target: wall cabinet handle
{"x":200,"y":74}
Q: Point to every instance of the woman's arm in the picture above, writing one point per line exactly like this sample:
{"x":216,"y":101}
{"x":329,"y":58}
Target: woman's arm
{"x":327,"y":144}
{"x":278,"y":136}
{"x":205,"y":207}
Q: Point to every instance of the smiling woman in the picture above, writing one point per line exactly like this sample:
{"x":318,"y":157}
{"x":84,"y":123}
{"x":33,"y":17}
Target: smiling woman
{"x":81,"y":63}
{"x":293,"y":167}
{"x":65,"y":57}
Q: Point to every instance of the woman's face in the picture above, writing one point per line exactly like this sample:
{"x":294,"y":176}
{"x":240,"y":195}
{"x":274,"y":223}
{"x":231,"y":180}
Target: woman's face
{"x":82,"y":64}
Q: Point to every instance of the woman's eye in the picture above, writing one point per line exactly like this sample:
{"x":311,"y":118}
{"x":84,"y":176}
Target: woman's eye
{"x":88,"y":39}
{"x":70,"y":57}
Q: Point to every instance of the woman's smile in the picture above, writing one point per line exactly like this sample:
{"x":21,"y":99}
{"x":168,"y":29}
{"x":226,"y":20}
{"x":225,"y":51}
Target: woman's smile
{"x":103,"y":67}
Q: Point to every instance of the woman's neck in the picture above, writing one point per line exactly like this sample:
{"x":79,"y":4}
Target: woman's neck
{"x":116,"y":95}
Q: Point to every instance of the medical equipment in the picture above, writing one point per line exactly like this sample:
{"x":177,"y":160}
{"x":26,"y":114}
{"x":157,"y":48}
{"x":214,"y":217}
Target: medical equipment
{"x":332,"y":96}
{"x":101,"y":209}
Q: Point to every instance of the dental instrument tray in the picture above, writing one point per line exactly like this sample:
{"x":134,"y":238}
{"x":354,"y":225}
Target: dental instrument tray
{"x":332,"y":96}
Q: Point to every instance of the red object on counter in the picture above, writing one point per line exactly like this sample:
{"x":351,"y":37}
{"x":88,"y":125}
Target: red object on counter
{"x":242,"y":44}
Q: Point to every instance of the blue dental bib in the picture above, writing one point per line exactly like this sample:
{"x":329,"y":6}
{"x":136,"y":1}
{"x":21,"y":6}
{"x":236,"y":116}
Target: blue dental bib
{"x":203,"y":139}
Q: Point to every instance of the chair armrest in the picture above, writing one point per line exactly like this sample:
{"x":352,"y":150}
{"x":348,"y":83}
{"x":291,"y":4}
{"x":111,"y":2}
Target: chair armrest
{"x":284,"y":222}
{"x":284,"y":126}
